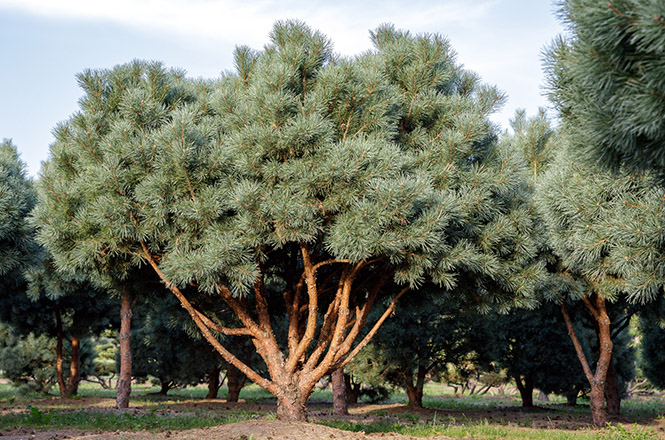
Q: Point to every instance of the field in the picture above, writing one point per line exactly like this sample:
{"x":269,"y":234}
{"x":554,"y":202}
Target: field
{"x":186,"y":414}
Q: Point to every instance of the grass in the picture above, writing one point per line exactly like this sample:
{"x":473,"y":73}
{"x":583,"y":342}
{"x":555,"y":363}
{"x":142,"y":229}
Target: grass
{"x":484,"y":430}
{"x":34,"y":417}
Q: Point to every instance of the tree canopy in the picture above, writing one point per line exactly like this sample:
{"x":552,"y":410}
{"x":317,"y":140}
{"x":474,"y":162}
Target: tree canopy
{"x":301,"y":185}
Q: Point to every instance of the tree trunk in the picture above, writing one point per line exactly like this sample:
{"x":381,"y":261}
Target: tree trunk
{"x":352,"y":390}
{"x":74,"y":368}
{"x":571,"y":397}
{"x":291,"y":405}
{"x":526,"y":390}
{"x":414,"y":392}
{"x":213,"y":383}
{"x":124,"y":384}
{"x":235,"y":380}
{"x":166,"y":386}
{"x":612,"y":393}
{"x":340,"y":407}
{"x":58,"y":353}
{"x":597,"y":379}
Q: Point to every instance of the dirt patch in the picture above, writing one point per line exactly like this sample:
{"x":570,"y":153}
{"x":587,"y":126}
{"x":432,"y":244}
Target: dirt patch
{"x":256,"y":430}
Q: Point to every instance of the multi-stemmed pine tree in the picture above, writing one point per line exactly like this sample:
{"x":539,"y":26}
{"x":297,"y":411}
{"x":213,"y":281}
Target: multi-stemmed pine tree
{"x":607,"y":82}
{"x":297,"y":190}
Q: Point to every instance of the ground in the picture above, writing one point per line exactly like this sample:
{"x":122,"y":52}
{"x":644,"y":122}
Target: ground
{"x":254,"y":419}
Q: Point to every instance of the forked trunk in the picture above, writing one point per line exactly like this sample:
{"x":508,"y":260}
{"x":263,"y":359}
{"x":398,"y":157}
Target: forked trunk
{"x":124,"y":384}
{"x":235,"y":380}
{"x":414,"y":392}
{"x":612,"y":393}
{"x":526,"y":390}
{"x":340,"y":407}
{"x":213,"y":383}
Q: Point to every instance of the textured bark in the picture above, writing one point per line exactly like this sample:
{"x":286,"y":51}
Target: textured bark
{"x":291,"y":405}
{"x":526,"y":390}
{"x":213,"y":383}
{"x":340,"y":407}
{"x":235,"y":380}
{"x":612,"y":393}
{"x":124,"y":384}
{"x":74,"y":368}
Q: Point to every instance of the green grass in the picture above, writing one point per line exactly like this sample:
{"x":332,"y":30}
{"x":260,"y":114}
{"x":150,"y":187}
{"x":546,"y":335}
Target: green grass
{"x":35,"y":418}
{"x":484,"y":430}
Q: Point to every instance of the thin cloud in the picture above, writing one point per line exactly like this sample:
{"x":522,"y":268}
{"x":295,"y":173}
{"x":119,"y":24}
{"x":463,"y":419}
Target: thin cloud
{"x":242,"y":22}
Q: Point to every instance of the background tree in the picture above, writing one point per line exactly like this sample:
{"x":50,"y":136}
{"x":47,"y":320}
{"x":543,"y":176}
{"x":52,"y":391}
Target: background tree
{"x":17,"y":245}
{"x":413,"y":346}
{"x":299,"y":188}
{"x":68,"y":309}
{"x":652,"y":340}
{"x":164,"y":350}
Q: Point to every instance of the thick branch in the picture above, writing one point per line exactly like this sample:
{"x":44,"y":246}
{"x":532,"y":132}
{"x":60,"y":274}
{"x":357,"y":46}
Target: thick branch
{"x":224,"y":330}
{"x":227,"y":355}
{"x":313,"y":311}
{"x":576,"y":343}
{"x":372,"y":332}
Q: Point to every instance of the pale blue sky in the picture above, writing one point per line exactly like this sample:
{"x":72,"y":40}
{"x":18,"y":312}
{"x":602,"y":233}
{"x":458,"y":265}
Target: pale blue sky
{"x":45,"y":43}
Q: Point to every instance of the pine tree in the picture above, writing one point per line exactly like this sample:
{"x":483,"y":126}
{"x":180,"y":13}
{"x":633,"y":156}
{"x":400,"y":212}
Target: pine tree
{"x":17,"y":246}
{"x":299,"y":189}
{"x":607,"y":81}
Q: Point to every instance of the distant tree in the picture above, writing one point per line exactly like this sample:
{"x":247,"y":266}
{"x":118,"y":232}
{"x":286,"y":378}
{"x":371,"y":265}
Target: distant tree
{"x":652,"y":341}
{"x":28,"y":361}
{"x":300,"y":188}
{"x":68,"y":309}
{"x":17,"y":246}
{"x":164,"y":350}
{"x":419,"y":344}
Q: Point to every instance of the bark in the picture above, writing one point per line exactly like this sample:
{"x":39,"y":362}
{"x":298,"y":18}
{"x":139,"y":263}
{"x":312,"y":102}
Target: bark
{"x":597,"y":379}
{"x":213,"y":383}
{"x":340,"y":407}
{"x":352,"y":390}
{"x":612,"y":393}
{"x":74,"y":368}
{"x":235,"y":380}
{"x":526,"y":390}
{"x":58,"y":353}
{"x":414,"y":391}
{"x":124,"y":383}
{"x":291,"y":405}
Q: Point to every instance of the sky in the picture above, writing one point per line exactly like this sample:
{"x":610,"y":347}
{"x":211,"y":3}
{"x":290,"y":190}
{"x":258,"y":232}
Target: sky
{"x":44,"y":44}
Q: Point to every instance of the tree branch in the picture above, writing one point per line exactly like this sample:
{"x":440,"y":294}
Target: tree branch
{"x":576,"y":343}
{"x":227,"y":355}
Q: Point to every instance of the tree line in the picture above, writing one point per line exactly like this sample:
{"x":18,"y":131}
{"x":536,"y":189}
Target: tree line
{"x":306,"y":210}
